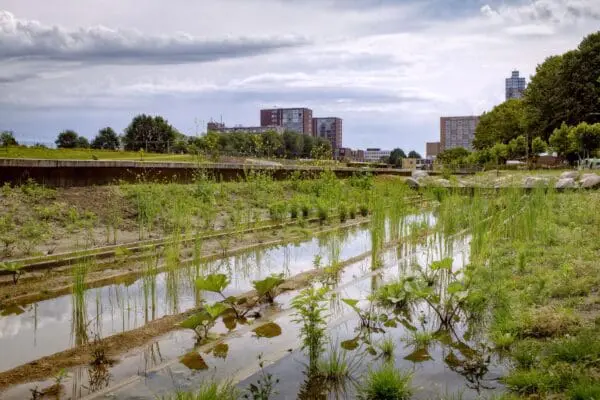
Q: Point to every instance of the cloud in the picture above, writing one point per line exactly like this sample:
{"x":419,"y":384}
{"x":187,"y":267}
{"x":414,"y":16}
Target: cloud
{"x":559,"y":12}
{"x":31,"y":40}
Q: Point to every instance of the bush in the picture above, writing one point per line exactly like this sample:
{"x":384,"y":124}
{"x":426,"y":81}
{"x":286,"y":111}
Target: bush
{"x":322,"y":213}
{"x":343,"y":210}
{"x":386,"y":383}
{"x":305,"y":210}
{"x":277,"y":211}
{"x":293,"y":211}
{"x":364,"y":210}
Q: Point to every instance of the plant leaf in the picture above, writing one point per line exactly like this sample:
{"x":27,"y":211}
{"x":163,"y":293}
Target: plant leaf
{"x":216,"y":309}
{"x":266,"y":285}
{"x":213,"y":283}
{"x":446,"y":263}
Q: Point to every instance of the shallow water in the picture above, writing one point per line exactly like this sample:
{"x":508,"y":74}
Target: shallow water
{"x":160,"y":369}
{"x":54,"y":325}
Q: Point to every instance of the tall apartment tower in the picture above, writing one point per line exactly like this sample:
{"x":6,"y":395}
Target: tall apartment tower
{"x":515,"y":86}
{"x":292,"y":119}
{"x":457,"y":132}
{"x":328,"y":128}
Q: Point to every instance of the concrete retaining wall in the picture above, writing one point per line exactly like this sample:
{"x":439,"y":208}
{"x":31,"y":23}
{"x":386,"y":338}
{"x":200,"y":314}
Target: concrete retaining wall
{"x":67,"y":173}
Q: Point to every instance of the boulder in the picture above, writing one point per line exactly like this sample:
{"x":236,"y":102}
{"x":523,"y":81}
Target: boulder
{"x":590,"y":181}
{"x":412,"y":183}
{"x":535,"y":181}
{"x":565,"y":183}
{"x":569,"y":175}
{"x":441,"y":183}
{"x":418,"y":174}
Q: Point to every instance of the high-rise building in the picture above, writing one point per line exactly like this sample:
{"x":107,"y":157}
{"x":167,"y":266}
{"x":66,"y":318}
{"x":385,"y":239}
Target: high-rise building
{"x":432,"y":149}
{"x":328,"y":128}
{"x":457,"y":132}
{"x":292,"y":119}
{"x":515,"y":86}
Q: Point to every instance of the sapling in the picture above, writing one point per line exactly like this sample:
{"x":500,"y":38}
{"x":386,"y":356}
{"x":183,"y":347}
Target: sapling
{"x":202,"y":322}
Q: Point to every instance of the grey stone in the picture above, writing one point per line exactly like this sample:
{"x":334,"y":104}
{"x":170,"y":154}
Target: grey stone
{"x":418,"y":174}
{"x":565,"y":183}
{"x":442,"y":183}
{"x":535,"y":181}
{"x":412,"y":183}
{"x":569,"y":175}
{"x":590,"y":181}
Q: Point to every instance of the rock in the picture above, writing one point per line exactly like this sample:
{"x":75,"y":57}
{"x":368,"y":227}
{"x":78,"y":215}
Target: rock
{"x":442,"y":183}
{"x":412,"y":183}
{"x":565,"y":183}
{"x":418,"y":174}
{"x":569,"y":175}
{"x":535,"y":181}
{"x":590,"y":181}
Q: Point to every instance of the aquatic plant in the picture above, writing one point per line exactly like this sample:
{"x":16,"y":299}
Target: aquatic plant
{"x":266,"y":288}
{"x":14,"y":268}
{"x":265,"y":385}
{"x":386,"y":383}
{"x":202,"y":322}
{"x":209,"y":390}
{"x":309,"y":307}
{"x":369,"y":318}
{"x":217,"y":283}
{"x":387,"y":346}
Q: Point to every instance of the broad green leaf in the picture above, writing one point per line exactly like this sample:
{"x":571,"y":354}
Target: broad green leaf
{"x":352,"y":303}
{"x":216,"y":309}
{"x":195,"y":320}
{"x":213,"y":283}
{"x":266,"y":285}
{"x":455,"y":287}
{"x":446,"y":263}
{"x":193,"y":361}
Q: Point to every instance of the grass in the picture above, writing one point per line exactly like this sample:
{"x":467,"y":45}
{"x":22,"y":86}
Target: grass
{"x":387,"y":346}
{"x":209,"y":390}
{"x":386,"y":383}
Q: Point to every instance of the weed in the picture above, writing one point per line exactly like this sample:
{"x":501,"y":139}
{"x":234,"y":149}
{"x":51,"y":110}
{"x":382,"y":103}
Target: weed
{"x":386,"y":383}
{"x":264,"y":387}
{"x":343,"y":211}
{"x":15,"y":268}
{"x":310,"y":313}
{"x":209,"y":390}
{"x":364,"y":210}
{"x":266,"y":288}
{"x":387,"y":347}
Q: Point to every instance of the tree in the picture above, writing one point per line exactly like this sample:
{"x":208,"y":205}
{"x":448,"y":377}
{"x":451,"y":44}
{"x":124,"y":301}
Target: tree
{"x":414,"y":154}
{"x":396,"y":157}
{"x":7,"y":138}
{"x":67,"y":139}
{"x":308,"y":144}
{"x":273,"y":144}
{"x":544,"y":105}
{"x":538,"y":146}
{"x":559,"y":140}
{"x":585,"y":139}
{"x":501,"y":125}
{"x":457,"y":155}
{"x":82,"y":143}
{"x":500,"y":153}
{"x":106,"y":139}
{"x":321,"y":150}
{"x":294,"y":144}
{"x":152,"y":134}
{"x":517,"y":147}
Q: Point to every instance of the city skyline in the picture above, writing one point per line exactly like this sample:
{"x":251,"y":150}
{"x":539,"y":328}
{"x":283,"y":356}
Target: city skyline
{"x":388,"y":69}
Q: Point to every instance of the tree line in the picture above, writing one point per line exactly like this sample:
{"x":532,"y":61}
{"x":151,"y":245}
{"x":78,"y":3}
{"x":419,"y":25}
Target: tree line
{"x":154,"y":134}
{"x":559,"y":111}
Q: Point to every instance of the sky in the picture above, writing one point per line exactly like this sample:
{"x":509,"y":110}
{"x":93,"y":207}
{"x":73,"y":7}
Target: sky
{"x":389,"y":68}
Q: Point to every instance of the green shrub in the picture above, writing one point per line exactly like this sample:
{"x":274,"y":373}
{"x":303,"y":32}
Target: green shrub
{"x":343,"y":210}
{"x":277,"y":211}
{"x":322,"y":213}
{"x":364,"y":210}
{"x":386,"y":383}
{"x":294,"y":211}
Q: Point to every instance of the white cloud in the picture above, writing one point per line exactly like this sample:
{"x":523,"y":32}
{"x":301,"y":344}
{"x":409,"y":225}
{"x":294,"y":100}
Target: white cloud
{"x":389,"y":71}
{"x":30,"y":39}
